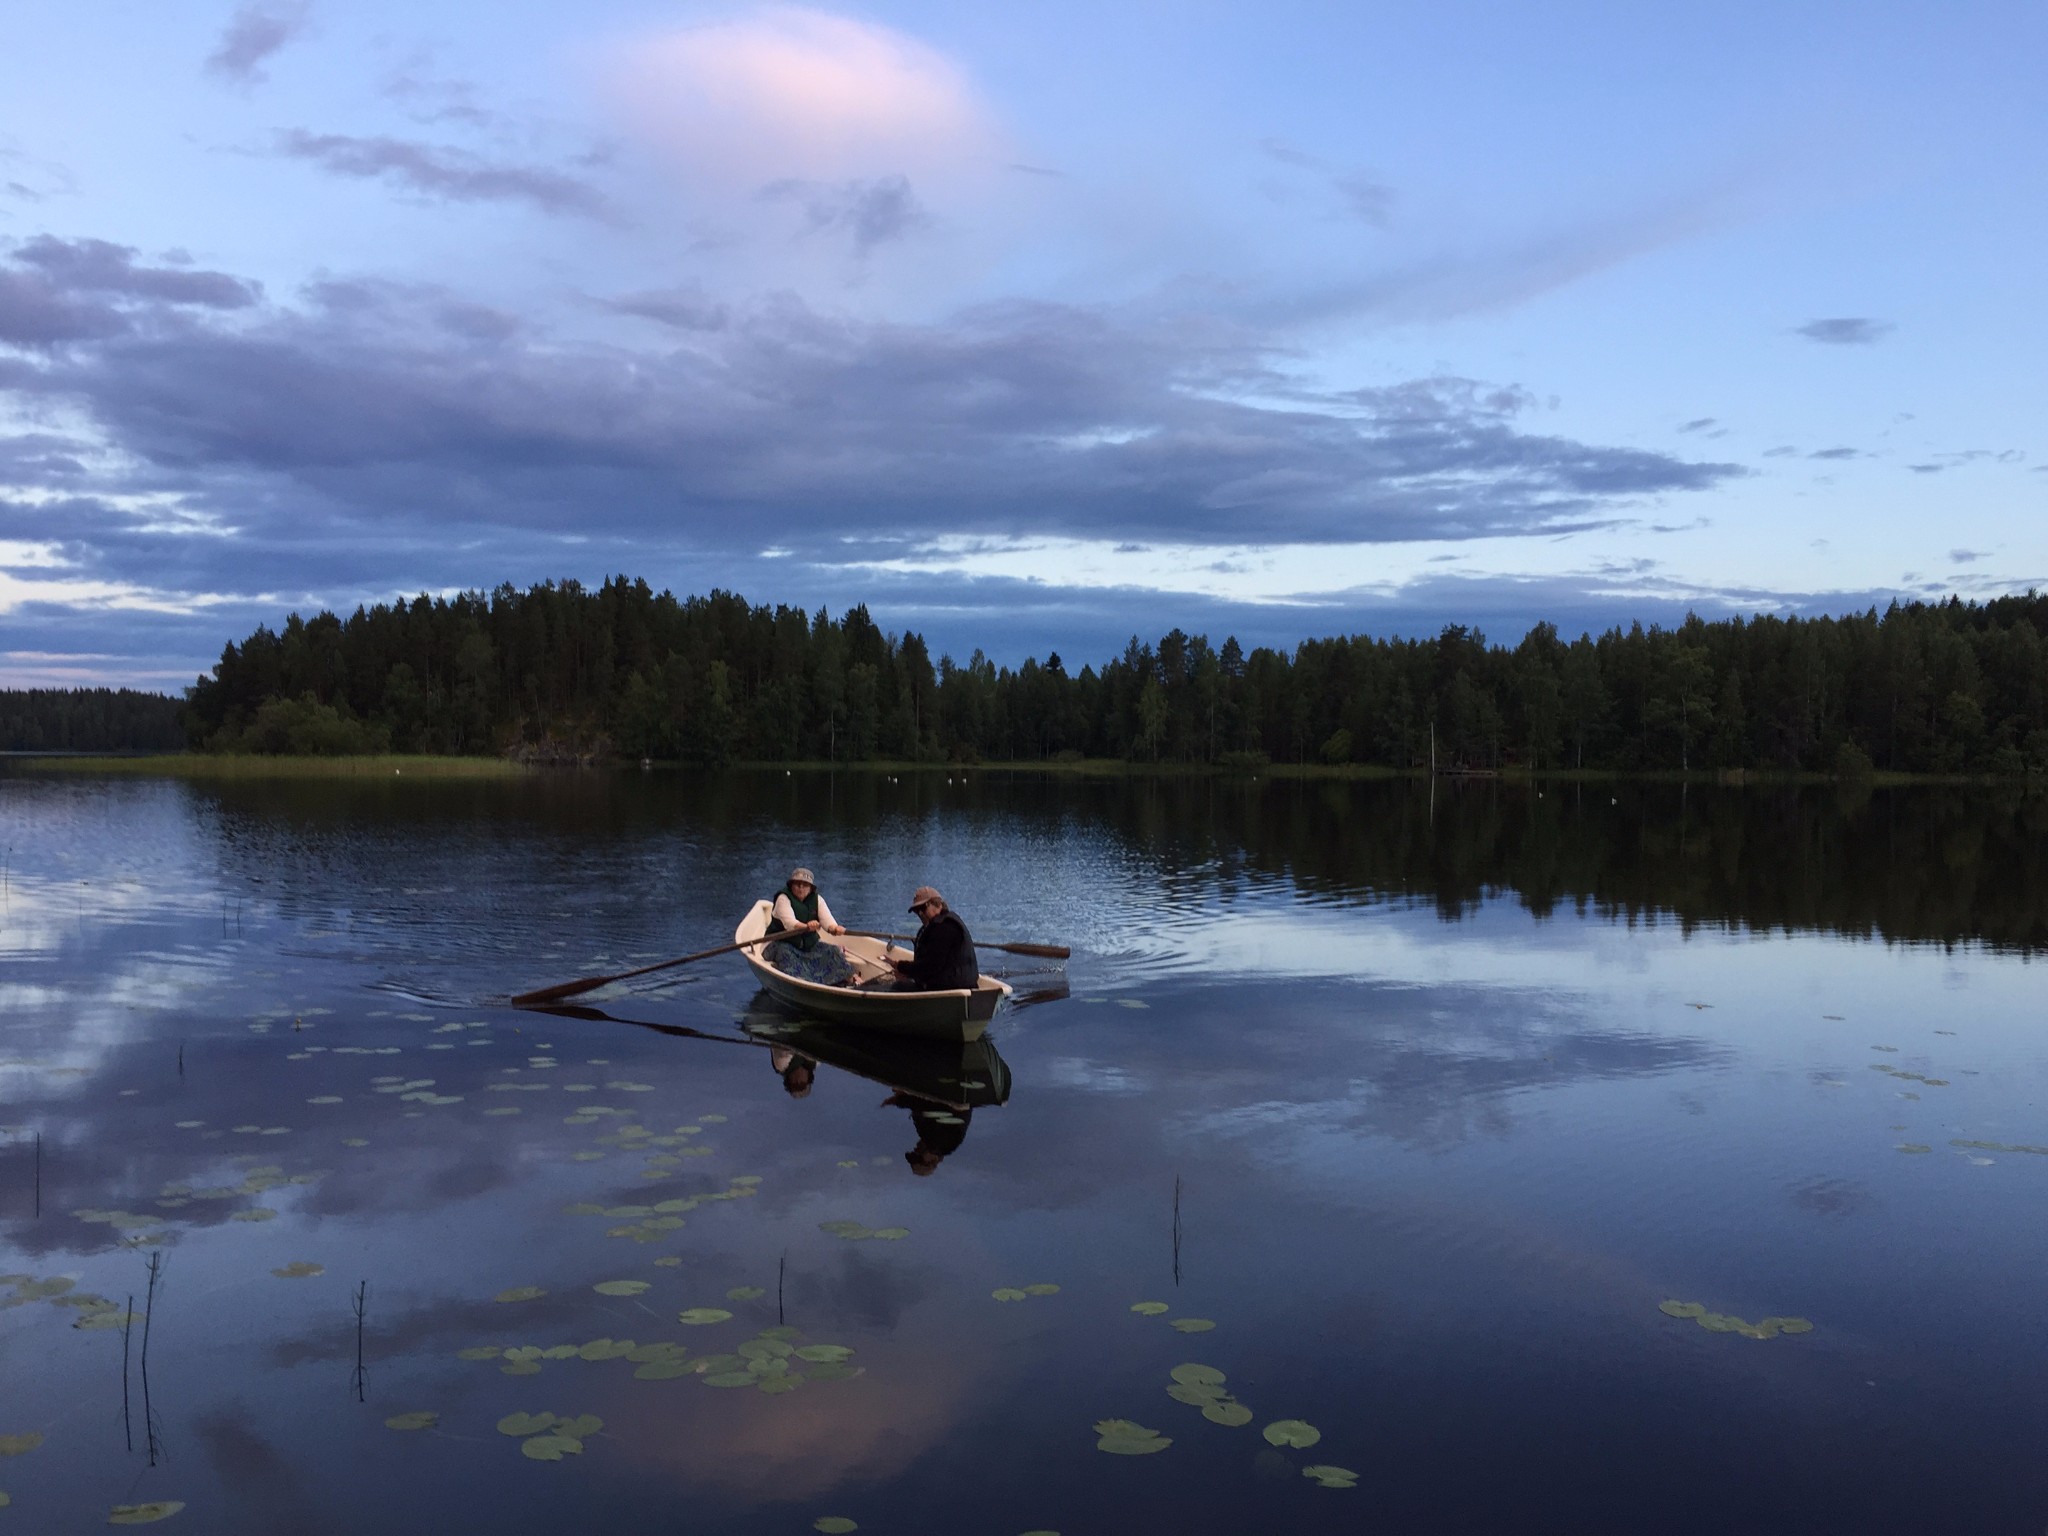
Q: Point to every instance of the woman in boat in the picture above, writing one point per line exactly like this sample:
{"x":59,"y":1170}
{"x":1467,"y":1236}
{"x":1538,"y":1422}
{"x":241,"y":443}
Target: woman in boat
{"x":799,"y":908}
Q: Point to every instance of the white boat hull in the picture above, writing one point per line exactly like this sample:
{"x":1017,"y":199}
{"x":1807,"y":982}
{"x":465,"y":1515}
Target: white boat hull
{"x":961,"y":1015}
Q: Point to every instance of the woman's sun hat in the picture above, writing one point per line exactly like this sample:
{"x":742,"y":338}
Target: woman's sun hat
{"x":800,"y":873}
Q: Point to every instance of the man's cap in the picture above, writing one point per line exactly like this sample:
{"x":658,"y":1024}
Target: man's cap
{"x":924,"y":894}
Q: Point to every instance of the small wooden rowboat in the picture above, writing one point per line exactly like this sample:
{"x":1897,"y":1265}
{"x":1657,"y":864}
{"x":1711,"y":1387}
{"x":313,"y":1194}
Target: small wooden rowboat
{"x":962,"y":1014}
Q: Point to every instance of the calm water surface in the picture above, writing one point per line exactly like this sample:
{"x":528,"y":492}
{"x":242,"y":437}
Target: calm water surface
{"x":1424,"y":1104}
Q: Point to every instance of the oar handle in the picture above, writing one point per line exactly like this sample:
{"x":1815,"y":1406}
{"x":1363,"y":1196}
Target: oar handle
{"x":1042,"y":951}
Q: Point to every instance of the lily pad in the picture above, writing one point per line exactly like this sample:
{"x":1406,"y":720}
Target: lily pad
{"x":20,"y":1445}
{"x":582,"y":1427}
{"x":144,"y":1514}
{"x":835,"y":1370}
{"x":1681,"y":1309}
{"x":731,"y":1379}
{"x":1191,"y":1324}
{"x":520,"y":1425}
{"x":824,"y":1354}
{"x":1008,"y":1293}
{"x":479,"y":1352}
{"x":834,"y":1525}
{"x":521,"y":1367}
{"x":1331,"y":1477}
{"x":619,"y":1287}
{"x":521,"y":1293}
{"x":423,"y":1418}
{"x":300,"y":1271}
{"x":1195,"y":1375}
{"x":890,"y":1234}
{"x":745,"y":1293}
{"x":1230,"y":1414}
{"x":1121,"y":1437}
{"x":697,"y":1317}
{"x":1150,"y":1308}
{"x":1041,"y":1289}
{"x":550,"y":1447}
{"x":1292,"y":1432}
{"x":1195,"y":1396}
{"x":780,"y":1382}
{"x":664,"y":1370}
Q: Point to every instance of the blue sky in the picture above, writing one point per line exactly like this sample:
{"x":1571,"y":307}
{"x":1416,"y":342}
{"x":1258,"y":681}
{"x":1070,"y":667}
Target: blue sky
{"x":1028,"y":326}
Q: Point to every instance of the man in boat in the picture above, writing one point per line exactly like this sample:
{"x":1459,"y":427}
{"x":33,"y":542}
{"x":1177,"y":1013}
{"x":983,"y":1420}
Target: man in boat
{"x":800,"y":908}
{"x":945,"y":958}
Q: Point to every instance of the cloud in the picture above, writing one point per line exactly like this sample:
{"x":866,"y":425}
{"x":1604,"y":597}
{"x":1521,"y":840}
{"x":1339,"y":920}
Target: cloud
{"x":796,"y":94}
{"x":54,"y":291}
{"x":391,"y":436}
{"x":1698,"y":424}
{"x":443,"y":173}
{"x":254,"y":35}
{"x":1968,"y":556}
{"x":871,"y":213}
{"x":1846,"y":331}
{"x":1836,"y":453}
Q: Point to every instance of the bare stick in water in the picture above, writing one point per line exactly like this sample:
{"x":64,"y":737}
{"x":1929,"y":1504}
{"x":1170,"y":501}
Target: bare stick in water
{"x":1176,"y":1229}
{"x":127,"y":1327}
{"x":361,"y":1301}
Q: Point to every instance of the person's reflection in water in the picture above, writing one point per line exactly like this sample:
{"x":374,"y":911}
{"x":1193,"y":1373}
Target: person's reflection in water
{"x":937,"y":1139}
{"x":795,"y":1071}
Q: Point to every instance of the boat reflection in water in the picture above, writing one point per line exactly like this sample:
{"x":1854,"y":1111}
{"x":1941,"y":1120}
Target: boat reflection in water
{"x":939,"y":1083}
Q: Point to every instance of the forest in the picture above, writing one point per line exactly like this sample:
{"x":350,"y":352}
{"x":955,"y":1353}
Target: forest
{"x":89,"y":720}
{"x":563,"y":672}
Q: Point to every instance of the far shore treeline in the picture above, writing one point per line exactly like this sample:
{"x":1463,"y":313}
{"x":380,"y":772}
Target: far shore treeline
{"x":563,"y":672}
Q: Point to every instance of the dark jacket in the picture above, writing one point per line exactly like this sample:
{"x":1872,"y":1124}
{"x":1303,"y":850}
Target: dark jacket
{"x":945,"y":956}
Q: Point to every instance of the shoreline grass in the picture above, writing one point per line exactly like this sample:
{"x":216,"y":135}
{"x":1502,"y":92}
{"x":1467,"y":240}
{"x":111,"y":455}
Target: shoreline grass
{"x":208,"y":765}
{"x":203,"y":765}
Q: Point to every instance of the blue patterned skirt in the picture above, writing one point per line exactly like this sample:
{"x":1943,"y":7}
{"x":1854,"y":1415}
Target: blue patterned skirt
{"x":826,"y":963}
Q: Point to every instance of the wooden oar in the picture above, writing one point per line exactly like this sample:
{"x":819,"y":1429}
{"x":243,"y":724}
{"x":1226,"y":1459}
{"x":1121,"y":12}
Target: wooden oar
{"x":592,"y":983}
{"x":1041,"y":951}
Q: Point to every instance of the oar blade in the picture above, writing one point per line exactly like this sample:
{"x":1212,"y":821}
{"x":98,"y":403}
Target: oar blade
{"x":565,"y":989}
{"x":1041,"y":951}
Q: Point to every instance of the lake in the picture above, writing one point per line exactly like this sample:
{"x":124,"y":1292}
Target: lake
{"x":1520,"y":1157}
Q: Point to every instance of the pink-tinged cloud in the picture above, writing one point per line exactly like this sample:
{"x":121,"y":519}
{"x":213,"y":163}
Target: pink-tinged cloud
{"x":793,"y":93}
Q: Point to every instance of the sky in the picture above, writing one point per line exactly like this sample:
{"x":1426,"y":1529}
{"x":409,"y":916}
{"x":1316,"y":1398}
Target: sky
{"x":1031,"y":327}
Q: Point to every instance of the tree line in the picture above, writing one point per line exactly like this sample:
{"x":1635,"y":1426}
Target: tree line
{"x":560,"y":670}
{"x":89,"y":720}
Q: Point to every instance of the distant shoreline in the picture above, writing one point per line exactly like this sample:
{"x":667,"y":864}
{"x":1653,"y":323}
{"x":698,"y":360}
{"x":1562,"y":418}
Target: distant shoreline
{"x":206,"y":765}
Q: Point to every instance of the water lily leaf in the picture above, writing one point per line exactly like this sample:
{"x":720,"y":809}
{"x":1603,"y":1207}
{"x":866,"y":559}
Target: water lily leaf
{"x":670,"y":1262}
{"x":697,"y":1317}
{"x":1295,"y":1432}
{"x":300,"y":1271}
{"x":1007,"y":1293}
{"x":1717,"y":1322}
{"x":606,"y":1349}
{"x":550,"y":1447}
{"x":779,"y":1382}
{"x":521,"y":1367}
{"x":520,"y":1425}
{"x":834,"y":1370}
{"x":559,"y":1352}
{"x":423,"y":1418}
{"x":1195,"y":1397}
{"x":20,"y":1445}
{"x":144,"y":1514}
{"x":254,"y":1213}
{"x":1041,"y":1289}
{"x":1121,"y":1437}
{"x":1912,"y":1147}
{"x":1331,"y":1477}
{"x":765,"y":1349}
{"x":745,"y":1293}
{"x":1230,"y":1414}
{"x":93,"y":1321}
{"x":326,"y":1098}
{"x":582,"y":1427}
{"x":666,"y":1369}
{"x":480,"y":1352}
{"x":824,"y":1354}
{"x":619,"y":1287}
{"x":834,"y":1525}
{"x":731,"y":1379}
{"x":890,"y":1234}
{"x":1791,"y":1324}
{"x":1149,"y":1308}
{"x":1194,"y":1375}
{"x":664,"y":1350}
{"x":521,"y":1293}
{"x":1681,"y":1309}
{"x":1191,"y":1324}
